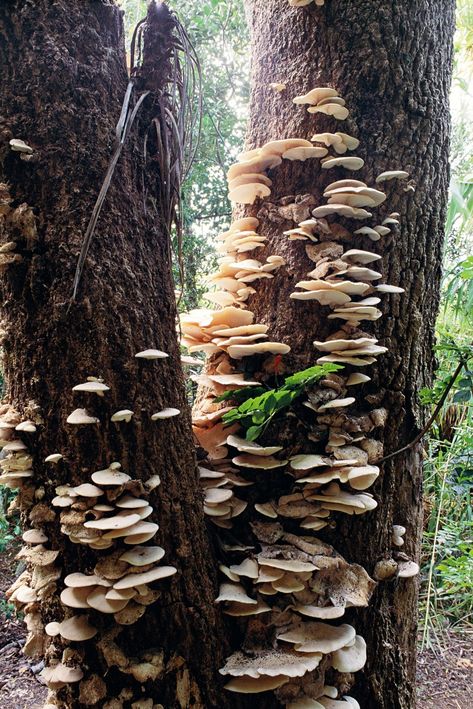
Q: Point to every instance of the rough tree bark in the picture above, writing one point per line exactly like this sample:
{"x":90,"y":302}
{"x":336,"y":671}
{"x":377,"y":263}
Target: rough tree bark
{"x":63,"y":82}
{"x":391,"y":61}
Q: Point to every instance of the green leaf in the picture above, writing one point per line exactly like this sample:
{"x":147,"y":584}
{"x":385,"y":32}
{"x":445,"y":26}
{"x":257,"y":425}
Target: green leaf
{"x":253,"y":432}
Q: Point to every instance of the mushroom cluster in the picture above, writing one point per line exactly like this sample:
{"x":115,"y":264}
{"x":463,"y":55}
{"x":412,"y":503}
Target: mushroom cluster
{"x":296,"y":584}
{"x":229,"y":330}
{"x":326,"y":100}
{"x":236,"y":271}
{"x":16,"y":462}
{"x":247,"y":180}
{"x":109,"y":514}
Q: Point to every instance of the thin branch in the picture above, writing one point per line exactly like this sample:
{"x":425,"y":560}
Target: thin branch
{"x":462,"y":362}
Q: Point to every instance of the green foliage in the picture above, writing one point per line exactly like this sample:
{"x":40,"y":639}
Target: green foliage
{"x":255,"y":412}
{"x":7,"y":609}
{"x":449,"y":355}
{"x":8,"y":530}
{"x":447,"y":594}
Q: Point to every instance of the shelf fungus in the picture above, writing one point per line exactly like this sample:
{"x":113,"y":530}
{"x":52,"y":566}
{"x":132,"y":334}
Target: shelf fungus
{"x":92,"y":385}
{"x":151,"y":354}
{"x":80,"y":417}
{"x":325,"y":100}
{"x":247,"y":179}
{"x":268,"y":497}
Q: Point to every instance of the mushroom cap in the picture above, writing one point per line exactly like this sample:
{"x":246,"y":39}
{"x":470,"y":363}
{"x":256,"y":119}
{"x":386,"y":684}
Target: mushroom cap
{"x":151,"y":354}
{"x":239,"y":351}
{"x":34,"y":536}
{"x":339,"y":208}
{"x":94,"y":387}
{"x":77,"y":629}
{"x":337,"y":345}
{"x":278,"y":147}
{"x":315,"y":95}
{"x":97,"y":599}
{"x":234,"y":592}
{"x":320,"y":612}
{"x":258,"y":163}
{"x":129,"y":502}
{"x":318,"y":637}
{"x":140,"y":532}
{"x":270,"y":663}
{"x":350,"y":658}
{"x":248,"y":568}
{"x":122,"y":415}
{"x":109,"y":523}
{"x":307,"y":461}
{"x":330,"y":109}
{"x":249,"y":685}
{"x":24,"y":594}
{"x":14,"y":446}
{"x":337,"y":403}
{"x":133,"y":580}
{"x":19,"y":146}
{"x":360,"y":256}
{"x":304,"y":153}
{"x":80,"y":580}
{"x":87,"y":490}
{"x":110,"y":476}
{"x":294,"y":565}
{"x":251,"y":447}
{"x":142,"y":556}
{"x":386,"y":288}
{"x":248,"y":193}
{"x":80,"y":417}
{"x":391,"y":175}
{"x":357,"y":378}
{"x":26,"y":426}
{"x":165,"y":414}
{"x":249,"y":460}
{"x":369,"y":231}
{"x":243,"y":180}
{"x":137,"y":528}
{"x":324,"y":297}
{"x":407,"y":569}
{"x":57,"y":676}
{"x":53,"y":458}
{"x":350,"y":163}
{"x":75,"y":597}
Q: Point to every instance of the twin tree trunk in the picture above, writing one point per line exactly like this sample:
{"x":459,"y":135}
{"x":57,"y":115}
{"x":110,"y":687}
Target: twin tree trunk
{"x":64,"y":79}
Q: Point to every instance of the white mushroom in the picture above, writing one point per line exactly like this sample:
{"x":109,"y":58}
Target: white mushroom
{"x":80,"y":417}
{"x":165,"y":414}
{"x":151,"y":354}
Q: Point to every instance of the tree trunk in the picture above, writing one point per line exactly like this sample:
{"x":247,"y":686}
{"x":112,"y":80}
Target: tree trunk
{"x":391,"y":62}
{"x":64,"y":80}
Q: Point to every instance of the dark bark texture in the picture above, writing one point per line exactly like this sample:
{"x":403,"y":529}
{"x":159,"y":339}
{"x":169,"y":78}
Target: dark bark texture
{"x":63,"y":82}
{"x":391,"y":61}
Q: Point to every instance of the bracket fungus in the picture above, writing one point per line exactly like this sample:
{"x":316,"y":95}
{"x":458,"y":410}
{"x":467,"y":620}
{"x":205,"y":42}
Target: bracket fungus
{"x":165,"y":414}
{"x":274,"y":567}
{"x":151,"y":354}
{"x":19,"y":146}
{"x":95,"y":386}
{"x":80,"y":417}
